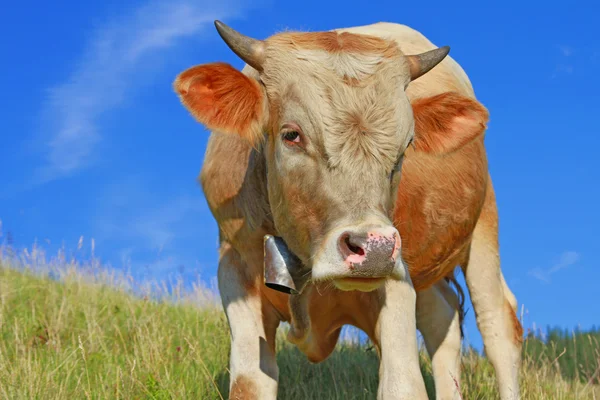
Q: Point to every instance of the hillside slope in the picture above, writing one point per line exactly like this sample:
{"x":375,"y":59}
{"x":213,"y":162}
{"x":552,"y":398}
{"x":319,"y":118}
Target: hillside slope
{"x":78,"y":339}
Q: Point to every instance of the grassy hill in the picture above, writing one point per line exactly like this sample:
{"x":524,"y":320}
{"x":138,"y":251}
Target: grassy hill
{"x":79,"y":337}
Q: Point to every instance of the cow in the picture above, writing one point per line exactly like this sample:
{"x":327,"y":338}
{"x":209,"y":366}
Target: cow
{"x":353,"y":161}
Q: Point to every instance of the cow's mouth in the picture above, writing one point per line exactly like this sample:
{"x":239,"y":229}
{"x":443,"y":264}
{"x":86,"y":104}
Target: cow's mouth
{"x":361,"y":284}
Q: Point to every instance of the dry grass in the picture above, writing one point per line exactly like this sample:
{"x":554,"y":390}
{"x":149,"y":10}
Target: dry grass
{"x":85,"y":336}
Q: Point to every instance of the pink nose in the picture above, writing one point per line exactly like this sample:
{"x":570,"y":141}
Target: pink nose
{"x":375,"y":250}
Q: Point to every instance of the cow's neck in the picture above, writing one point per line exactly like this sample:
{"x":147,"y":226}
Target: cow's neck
{"x":255,"y":197}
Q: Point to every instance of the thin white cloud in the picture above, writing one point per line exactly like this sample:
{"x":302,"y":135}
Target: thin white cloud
{"x":567,"y":259}
{"x":157,"y":225}
{"x":565,"y":66}
{"x":566,"y":50}
{"x":563,"y":69}
{"x":154,"y":236}
{"x":130,"y":213}
{"x":540,"y":275}
{"x":119,"y":57}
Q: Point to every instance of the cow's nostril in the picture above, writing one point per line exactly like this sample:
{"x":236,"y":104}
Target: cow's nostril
{"x":352,"y":245}
{"x":354,"y":248}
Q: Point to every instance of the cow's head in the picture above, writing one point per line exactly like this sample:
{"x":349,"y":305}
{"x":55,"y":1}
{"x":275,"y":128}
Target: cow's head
{"x":330,"y":112}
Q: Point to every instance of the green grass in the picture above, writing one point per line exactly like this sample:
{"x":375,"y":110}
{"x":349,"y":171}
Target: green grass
{"x":87,"y":338}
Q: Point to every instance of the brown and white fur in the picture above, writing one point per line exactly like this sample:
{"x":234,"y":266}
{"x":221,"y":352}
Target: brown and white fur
{"x":352,"y":168}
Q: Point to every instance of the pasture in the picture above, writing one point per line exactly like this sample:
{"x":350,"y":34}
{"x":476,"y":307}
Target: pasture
{"x":76,"y":331}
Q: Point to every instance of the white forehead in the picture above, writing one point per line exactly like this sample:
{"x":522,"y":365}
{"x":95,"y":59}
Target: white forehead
{"x":353,"y":106}
{"x":367,"y":125}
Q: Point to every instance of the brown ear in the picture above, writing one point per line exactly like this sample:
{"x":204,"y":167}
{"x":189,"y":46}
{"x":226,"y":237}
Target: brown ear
{"x":223,"y":99}
{"x":446,"y":122}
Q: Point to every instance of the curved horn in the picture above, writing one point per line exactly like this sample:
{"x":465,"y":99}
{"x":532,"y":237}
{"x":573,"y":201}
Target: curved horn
{"x":422,"y":63}
{"x":250,"y":50}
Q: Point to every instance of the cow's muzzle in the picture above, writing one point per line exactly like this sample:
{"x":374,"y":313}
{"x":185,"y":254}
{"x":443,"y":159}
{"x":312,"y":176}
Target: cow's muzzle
{"x":283,"y":270}
{"x":360,"y":257}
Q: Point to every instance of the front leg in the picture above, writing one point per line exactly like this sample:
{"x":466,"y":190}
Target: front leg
{"x":438,"y":319}
{"x":253,"y":365}
{"x":396,"y":332}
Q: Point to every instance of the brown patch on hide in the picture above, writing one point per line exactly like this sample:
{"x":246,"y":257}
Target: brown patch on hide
{"x":515,"y":324}
{"x":329,"y":309}
{"x":489,"y":215}
{"x":246,"y":277}
{"x":307,"y":211}
{"x":336,"y":42}
{"x":351,"y":81}
{"x":438,"y":205}
{"x":243,"y":388}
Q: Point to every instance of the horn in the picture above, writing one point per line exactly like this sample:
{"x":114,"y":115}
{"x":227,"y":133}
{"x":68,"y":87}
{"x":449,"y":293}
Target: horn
{"x":250,"y":50}
{"x":422,"y":63}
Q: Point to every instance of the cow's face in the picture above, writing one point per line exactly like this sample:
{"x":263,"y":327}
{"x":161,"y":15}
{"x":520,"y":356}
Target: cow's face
{"x":333,"y":119}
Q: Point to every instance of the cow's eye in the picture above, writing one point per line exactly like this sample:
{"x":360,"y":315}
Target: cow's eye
{"x":397,"y":166}
{"x":291,"y":137}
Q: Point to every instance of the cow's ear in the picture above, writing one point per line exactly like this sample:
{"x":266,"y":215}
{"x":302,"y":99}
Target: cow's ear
{"x":224,"y":99}
{"x":446,"y":122}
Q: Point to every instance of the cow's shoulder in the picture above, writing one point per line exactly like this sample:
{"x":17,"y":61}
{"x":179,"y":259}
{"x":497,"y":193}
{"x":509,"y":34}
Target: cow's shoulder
{"x":233,"y":181}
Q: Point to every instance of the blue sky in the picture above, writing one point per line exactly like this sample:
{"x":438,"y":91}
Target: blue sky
{"x":96,"y":144}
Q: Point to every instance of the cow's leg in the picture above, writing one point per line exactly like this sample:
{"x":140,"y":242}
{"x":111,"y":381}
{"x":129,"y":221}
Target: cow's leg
{"x":438,"y":321}
{"x":253,"y":366}
{"x":494,"y":306}
{"x":399,"y":372}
